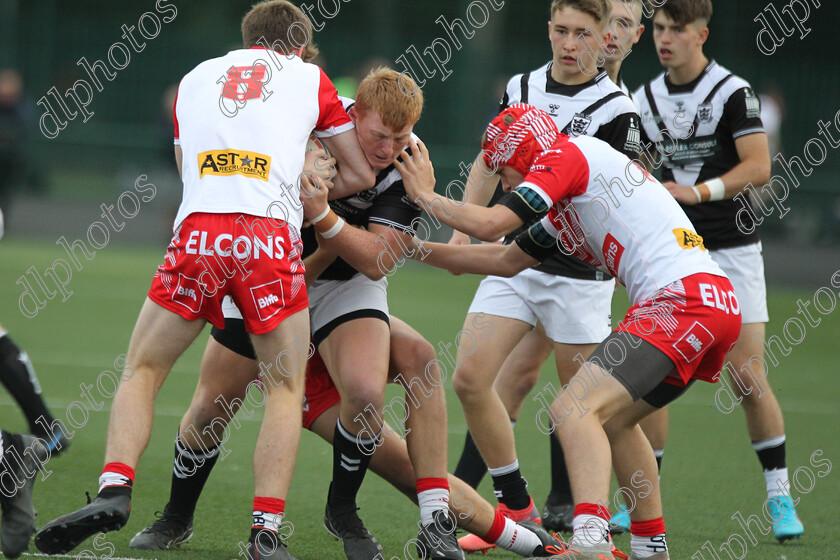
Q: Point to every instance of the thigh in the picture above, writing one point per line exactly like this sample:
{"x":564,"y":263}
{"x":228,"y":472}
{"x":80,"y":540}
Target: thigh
{"x":356,"y":354}
{"x":484,"y":343}
{"x":283,"y":352}
{"x":160,"y":336}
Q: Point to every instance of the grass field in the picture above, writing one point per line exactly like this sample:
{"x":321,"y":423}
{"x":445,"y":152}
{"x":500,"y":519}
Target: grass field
{"x":710,"y":471}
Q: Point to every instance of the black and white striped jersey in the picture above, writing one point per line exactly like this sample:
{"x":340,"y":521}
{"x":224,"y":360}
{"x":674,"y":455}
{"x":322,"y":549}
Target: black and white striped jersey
{"x":694,"y":127}
{"x":386,"y":203}
{"x":595,"y":108}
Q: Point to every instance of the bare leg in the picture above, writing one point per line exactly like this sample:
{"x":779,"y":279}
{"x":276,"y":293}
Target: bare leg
{"x":159,"y":338}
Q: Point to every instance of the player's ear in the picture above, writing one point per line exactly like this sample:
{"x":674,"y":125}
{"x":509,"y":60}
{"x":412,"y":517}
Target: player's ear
{"x":352,"y":113}
{"x":639,"y":33}
{"x":704,"y":33}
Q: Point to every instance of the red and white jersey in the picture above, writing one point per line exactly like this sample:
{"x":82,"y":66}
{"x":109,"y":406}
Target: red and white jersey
{"x":609,"y":212}
{"x":242,"y":121}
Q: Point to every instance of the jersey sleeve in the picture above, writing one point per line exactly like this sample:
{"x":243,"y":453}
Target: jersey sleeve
{"x":332,"y":118}
{"x":394,"y":209}
{"x":743,"y":112}
{"x":623,"y":133}
{"x":558,"y":173}
{"x":175,"y":118}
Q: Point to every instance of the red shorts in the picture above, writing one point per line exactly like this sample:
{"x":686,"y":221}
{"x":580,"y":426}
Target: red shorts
{"x":247,"y":257}
{"x":694,"y":321}
{"x":320,"y":393}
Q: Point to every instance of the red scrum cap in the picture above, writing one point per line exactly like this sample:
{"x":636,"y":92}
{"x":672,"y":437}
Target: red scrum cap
{"x":517,"y":136}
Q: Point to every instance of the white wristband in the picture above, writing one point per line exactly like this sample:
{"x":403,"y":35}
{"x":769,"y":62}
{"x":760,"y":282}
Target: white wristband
{"x":717,"y":189}
{"x":333,"y":231}
{"x":697,"y":192}
{"x":320,"y":216}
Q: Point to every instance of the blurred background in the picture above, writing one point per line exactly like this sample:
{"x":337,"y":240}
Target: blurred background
{"x":54,"y":187}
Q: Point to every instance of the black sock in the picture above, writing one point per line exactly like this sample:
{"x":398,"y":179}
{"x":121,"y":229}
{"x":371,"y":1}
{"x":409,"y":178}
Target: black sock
{"x":659,"y":453}
{"x":349,"y":467}
{"x":471,"y":466}
{"x":561,"y":488}
{"x":511,"y":490}
{"x":190,"y":471}
{"x":771,"y":456}
{"x":17,"y":375}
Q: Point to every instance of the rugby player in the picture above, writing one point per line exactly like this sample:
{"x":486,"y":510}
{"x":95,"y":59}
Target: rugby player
{"x":705,"y":123}
{"x":599,"y":204}
{"x":582,"y":100}
{"x":232,"y":164}
{"x":350,"y":326}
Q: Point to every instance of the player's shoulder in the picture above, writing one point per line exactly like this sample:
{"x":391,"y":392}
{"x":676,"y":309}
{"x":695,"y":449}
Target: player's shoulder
{"x":657,"y":83}
{"x":732,"y":84}
{"x":347,"y":102}
{"x":514,"y":84}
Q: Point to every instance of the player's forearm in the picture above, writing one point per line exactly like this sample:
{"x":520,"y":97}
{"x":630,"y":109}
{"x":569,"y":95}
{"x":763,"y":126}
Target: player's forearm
{"x":471,"y":219}
{"x":359,"y":248}
{"x":749,"y":173}
{"x":481,"y":183}
{"x":472,"y":259}
{"x":317,"y":263}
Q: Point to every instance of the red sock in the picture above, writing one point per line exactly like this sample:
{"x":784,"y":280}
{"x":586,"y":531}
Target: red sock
{"x":117,"y":475}
{"x":648,"y":528}
{"x":496,"y":528}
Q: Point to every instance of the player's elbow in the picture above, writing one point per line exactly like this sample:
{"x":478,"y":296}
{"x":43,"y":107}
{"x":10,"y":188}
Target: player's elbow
{"x":763,"y":169}
{"x":490,"y":230}
{"x":359,"y":177}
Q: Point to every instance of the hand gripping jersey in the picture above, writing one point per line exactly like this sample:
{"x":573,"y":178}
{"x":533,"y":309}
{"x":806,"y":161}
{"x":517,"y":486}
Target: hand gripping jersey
{"x":609,"y":212}
{"x":694,"y":127}
{"x":242,"y":124}
{"x":386,"y":203}
{"x":595,"y":108}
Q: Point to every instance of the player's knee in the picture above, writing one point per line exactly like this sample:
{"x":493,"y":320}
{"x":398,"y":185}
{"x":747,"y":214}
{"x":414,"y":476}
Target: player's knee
{"x":469,"y":386}
{"x":361,"y":397}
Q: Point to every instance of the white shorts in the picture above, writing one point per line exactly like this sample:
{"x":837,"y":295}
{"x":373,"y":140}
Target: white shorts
{"x":572,"y":311}
{"x":745,"y":268}
{"x":332,"y":302}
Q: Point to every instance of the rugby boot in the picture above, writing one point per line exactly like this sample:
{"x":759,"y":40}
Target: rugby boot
{"x":109,"y":511}
{"x":170,"y":529}
{"x":266,"y":545}
{"x":437,"y":541}
{"x":346,"y":526}
{"x":788,"y":526}
{"x":18,"y":518}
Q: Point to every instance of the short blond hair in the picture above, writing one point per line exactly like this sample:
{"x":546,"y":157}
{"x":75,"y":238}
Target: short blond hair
{"x":384,"y":90}
{"x":279,"y":25}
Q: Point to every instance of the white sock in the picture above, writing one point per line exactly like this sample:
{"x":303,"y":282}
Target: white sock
{"x":590,"y":530}
{"x":517,"y":539}
{"x":269,"y":521}
{"x":113,"y":479}
{"x":1,"y":447}
{"x":645,"y":547}
{"x":431,"y":501}
{"x":776,"y":480}
{"x":507,"y":469}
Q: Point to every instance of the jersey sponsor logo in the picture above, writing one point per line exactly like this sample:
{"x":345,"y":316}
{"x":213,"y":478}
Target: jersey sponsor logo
{"x":612,"y":251}
{"x":229,"y":162}
{"x":188,"y":292}
{"x":244,"y":82}
{"x":268,"y":299}
{"x":634,"y":137}
{"x":726,"y":301}
{"x":243,"y":248}
{"x":688,"y":239}
{"x":704,"y":113}
{"x":580,"y":123}
{"x":694,"y":342}
{"x":752,"y":103}
{"x":552,"y":109}
{"x":682,"y":152}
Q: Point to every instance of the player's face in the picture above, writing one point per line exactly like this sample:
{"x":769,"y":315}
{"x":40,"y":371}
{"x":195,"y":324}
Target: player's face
{"x":571,"y":33}
{"x":381,"y":144}
{"x":510,"y":178}
{"x":624,"y":29}
{"x":677,"y":45}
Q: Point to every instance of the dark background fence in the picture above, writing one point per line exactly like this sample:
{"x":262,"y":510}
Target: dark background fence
{"x":130,"y":131}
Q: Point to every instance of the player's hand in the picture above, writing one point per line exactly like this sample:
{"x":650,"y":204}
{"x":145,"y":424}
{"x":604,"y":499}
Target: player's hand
{"x":417,"y":171}
{"x":317,"y":163}
{"x":313,"y":195}
{"x":459,"y":238}
{"x":682,"y":194}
